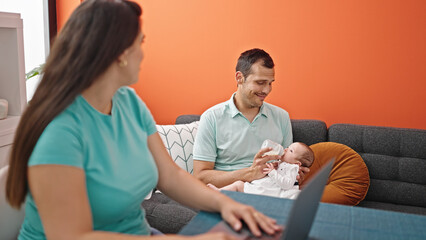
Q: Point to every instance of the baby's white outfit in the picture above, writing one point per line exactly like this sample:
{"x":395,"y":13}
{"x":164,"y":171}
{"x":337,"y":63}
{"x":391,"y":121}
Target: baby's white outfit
{"x":278,"y":183}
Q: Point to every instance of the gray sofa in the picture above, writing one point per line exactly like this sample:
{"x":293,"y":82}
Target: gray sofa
{"x":395,"y":157}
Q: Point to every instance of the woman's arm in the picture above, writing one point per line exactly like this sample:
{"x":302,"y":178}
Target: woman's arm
{"x":60,"y":195}
{"x":183,"y":187}
{"x":59,"y":192}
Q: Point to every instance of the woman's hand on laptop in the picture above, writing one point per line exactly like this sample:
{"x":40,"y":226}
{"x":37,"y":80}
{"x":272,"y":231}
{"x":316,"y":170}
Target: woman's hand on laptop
{"x":233,"y":212}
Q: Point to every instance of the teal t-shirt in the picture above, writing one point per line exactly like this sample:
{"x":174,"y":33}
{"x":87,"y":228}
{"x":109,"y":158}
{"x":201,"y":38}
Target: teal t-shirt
{"x":113,"y":152}
{"x":227,"y":138}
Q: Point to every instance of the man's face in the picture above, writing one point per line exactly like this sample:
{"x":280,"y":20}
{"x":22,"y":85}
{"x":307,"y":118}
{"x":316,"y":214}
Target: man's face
{"x":256,"y":86}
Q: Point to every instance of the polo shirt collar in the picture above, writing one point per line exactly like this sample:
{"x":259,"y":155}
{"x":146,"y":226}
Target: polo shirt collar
{"x":264,"y":110}
{"x":234,"y":110}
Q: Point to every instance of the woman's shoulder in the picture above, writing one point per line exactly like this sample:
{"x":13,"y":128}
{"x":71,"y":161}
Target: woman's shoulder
{"x":126,"y":92}
{"x":69,"y":120}
{"x":128,"y":98}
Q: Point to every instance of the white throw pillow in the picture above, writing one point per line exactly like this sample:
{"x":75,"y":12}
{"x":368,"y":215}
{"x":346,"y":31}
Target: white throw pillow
{"x":179,"y":141}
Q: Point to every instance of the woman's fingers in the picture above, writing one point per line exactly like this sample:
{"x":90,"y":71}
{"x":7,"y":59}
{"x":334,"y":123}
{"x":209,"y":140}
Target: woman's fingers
{"x":234,"y":213}
{"x":251,"y":220}
{"x":267,"y":224}
{"x":256,"y":220}
{"x":234,"y":222}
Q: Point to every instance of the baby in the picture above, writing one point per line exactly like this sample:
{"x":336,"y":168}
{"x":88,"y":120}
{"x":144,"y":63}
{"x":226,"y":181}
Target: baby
{"x":280,"y":182}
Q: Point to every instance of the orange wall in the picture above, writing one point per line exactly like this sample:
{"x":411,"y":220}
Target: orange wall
{"x":64,"y":9}
{"x":359,"y":62}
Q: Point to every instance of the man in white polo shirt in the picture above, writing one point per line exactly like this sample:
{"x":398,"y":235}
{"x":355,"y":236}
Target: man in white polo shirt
{"x":230,"y":134}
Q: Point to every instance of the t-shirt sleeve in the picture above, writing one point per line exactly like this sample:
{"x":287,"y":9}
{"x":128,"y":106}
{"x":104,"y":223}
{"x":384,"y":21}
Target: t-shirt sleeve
{"x":205,"y":142}
{"x":148,"y":120}
{"x":58,"y":144}
{"x":287,"y":131}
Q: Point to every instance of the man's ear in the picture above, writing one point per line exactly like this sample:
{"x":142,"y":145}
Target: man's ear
{"x":239,"y":77}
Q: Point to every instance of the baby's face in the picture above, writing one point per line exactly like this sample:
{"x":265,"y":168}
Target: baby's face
{"x":293,"y":153}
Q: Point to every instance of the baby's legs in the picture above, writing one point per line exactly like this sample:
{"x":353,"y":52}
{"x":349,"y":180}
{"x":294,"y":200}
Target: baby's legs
{"x":237,"y":186}
{"x":212,"y":187}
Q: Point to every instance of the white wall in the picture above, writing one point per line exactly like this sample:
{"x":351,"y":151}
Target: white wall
{"x":36,"y":33}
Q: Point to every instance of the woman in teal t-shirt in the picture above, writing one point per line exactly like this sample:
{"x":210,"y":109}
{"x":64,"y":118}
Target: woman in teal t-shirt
{"x":87,"y":152}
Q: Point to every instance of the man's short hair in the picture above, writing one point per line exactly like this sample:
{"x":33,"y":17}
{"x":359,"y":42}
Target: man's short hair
{"x":249,"y":57}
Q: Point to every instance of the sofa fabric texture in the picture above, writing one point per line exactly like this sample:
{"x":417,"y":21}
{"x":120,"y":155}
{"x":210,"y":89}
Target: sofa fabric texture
{"x":395,"y":160}
{"x":165,"y":214}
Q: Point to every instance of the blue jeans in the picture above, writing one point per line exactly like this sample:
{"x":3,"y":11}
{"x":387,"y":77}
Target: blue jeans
{"x":155,"y":231}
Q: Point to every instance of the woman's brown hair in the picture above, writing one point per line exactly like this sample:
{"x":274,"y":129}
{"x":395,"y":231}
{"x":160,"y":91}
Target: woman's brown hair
{"x":95,"y":35}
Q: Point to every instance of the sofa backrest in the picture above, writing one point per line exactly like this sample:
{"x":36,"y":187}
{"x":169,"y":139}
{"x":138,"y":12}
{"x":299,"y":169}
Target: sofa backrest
{"x":188,"y":118}
{"x":309,"y":131}
{"x":395,"y":157}
{"x":304,"y":130}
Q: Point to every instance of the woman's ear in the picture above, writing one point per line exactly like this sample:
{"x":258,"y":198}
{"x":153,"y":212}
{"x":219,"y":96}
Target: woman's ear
{"x":122,"y":59}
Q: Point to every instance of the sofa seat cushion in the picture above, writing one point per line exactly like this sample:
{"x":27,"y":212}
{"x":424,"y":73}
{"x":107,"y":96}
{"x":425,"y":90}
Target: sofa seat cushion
{"x":349,"y":178}
{"x":165,"y":214}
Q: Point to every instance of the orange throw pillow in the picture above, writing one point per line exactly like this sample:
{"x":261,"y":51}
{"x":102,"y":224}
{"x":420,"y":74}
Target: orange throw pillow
{"x":349,"y":179}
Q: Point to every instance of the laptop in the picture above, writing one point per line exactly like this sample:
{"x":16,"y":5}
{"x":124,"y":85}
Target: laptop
{"x":302,"y":213}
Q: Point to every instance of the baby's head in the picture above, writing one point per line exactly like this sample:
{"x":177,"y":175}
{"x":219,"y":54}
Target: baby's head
{"x":299,"y":152}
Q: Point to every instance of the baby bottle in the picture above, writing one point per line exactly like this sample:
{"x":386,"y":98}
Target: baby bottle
{"x":277,"y":149}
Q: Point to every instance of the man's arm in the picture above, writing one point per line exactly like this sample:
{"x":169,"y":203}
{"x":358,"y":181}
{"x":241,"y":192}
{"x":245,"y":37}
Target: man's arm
{"x":204,"y":170}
